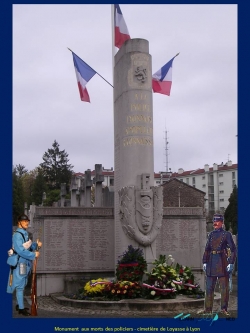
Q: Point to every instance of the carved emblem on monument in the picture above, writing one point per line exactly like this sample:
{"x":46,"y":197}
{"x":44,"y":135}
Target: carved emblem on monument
{"x":141,"y":73}
{"x":141,"y":211}
{"x":138,"y":72}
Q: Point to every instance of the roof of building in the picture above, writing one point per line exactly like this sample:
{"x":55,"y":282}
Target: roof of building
{"x":182,"y":183}
{"x":221,"y":167}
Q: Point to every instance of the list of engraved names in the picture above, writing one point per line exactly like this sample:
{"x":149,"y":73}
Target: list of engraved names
{"x":178,"y":235}
{"x":78,"y":245}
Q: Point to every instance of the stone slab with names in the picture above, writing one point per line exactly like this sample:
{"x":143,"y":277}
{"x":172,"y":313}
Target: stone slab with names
{"x":74,"y":211}
{"x":75,"y":244}
{"x":181,"y":239}
{"x":183,"y":211}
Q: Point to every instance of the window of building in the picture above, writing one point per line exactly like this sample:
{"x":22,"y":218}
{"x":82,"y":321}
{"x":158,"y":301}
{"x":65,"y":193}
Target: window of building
{"x":221,"y":199}
{"x":111,"y":182}
{"x":194,"y":186}
{"x":203,"y":177}
{"x":193,"y":180}
{"x":211,"y":206}
{"x":158,"y":182}
{"x":222,"y":209}
{"x":187,"y":181}
{"x":204,"y":185}
{"x":220,"y":174}
{"x":211,"y":197}
{"x":234,"y":183}
{"x":233,"y":175}
{"x":221,"y":191}
{"x":181,"y":180}
{"x":221,"y":183}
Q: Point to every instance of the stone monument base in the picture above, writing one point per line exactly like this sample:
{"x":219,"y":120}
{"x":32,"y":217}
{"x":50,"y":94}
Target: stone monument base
{"x":181,"y":302}
{"x":49,"y":283}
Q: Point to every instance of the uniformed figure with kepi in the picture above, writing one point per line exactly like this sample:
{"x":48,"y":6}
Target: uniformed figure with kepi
{"x":218,"y":262}
{"x":26,"y":251}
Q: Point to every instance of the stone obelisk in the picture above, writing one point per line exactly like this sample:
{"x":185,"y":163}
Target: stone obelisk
{"x":138,"y":204}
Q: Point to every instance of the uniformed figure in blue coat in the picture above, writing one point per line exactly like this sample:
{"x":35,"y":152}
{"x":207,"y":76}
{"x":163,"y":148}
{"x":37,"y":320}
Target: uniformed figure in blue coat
{"x":218,"y":263}
{"x":26,"y":249}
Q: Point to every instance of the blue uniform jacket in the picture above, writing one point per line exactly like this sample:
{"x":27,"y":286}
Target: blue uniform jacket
{"x":216,"y":254}
{"x":26,"y":256}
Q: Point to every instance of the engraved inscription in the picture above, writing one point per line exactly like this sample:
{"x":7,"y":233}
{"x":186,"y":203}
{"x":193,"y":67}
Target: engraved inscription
{"x":77,"y":245}
{"x":137,"y":141}
{"x":140,"y":107}
{"x":141,"y":96}
{"x":139,"y":130}
{"x":139,"y":118}
{"x":167,"y":241}
{"x":178,"y":236}
{"x":183,"y":211}
{"x":73,"y":211}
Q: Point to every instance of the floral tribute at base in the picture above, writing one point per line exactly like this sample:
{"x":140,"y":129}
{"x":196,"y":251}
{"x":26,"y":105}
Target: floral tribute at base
{"x":165,"y":280}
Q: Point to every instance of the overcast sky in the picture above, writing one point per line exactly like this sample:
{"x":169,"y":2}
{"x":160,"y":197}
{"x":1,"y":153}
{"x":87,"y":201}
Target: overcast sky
{"x":200,"y":116}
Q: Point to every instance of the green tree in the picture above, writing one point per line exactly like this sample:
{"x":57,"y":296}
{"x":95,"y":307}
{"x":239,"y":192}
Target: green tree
{"x":39,"y":187}
{"x":20,"y":170}
{"x":55,"y":167}
{"x":18,"y":194}
{"x":28,"y":180}
{"x":231,"y":212}
{"x":52,"y":196}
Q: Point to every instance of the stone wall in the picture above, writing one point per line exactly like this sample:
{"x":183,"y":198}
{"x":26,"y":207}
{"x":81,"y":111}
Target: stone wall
{"x":78,"y":244}
{"x":183,"y":235}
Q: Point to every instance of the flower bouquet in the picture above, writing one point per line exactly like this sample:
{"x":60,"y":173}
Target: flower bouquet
{"x":131,"y":265}
{"x":122,"y":290}
{"x":160,"y":280}
{"x":188,"y":284}
{"x":94,"y":288}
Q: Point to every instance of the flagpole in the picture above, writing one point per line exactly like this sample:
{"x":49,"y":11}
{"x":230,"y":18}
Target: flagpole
{"x":91,"y":68}
{"x":113,"y":38}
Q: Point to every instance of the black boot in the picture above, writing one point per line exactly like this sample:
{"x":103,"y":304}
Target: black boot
{"x":24,"y":312}
{"x":17,"y":308}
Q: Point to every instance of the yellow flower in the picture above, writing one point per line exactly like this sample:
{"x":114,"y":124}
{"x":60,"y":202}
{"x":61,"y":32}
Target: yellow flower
{"x":118,"y":291}
{"x":124,"y":291}
{"x":113,"y":291}
{"x":90,"y":289}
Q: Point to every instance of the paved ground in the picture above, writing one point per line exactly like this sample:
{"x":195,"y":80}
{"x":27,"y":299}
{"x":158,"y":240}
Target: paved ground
{"x":48,"y":308}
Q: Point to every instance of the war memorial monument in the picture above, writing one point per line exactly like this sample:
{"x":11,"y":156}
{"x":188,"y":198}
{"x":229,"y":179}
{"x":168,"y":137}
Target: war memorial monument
{"x":96,"y":236}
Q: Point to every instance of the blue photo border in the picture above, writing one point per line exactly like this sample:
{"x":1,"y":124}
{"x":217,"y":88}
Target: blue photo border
{"x":46,"y":325}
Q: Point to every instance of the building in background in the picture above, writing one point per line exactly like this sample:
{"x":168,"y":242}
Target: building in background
{"x":217,"y":182}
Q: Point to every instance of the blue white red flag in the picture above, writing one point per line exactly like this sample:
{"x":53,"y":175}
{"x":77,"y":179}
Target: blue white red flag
{"x":121,"y":30}
{"x":83,"y":74}
{"x":162,"y":79}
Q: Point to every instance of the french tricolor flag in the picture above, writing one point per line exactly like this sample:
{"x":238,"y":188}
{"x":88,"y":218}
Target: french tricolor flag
{"x":121,"y":30}
{"x":83,"y":74}
{"x":162,"y":79}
